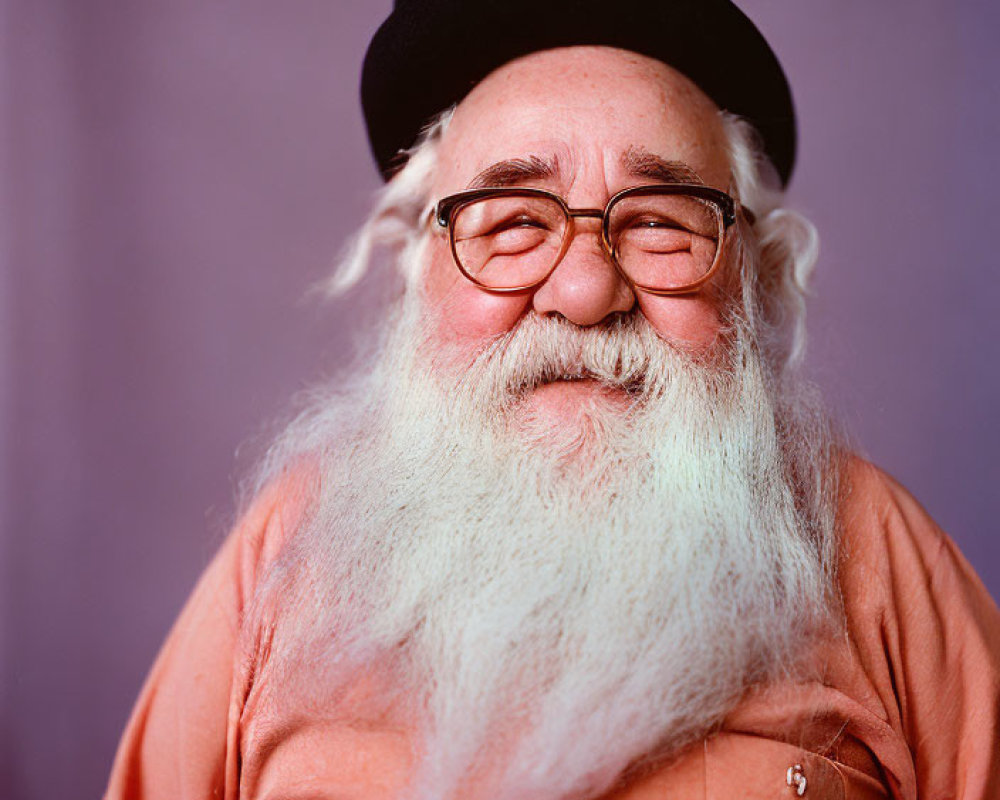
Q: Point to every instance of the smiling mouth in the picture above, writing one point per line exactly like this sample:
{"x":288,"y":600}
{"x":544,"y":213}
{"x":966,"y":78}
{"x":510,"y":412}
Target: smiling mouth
{"x":632,"y":387}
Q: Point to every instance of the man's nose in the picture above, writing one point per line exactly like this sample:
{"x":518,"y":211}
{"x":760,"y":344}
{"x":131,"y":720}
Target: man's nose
{"x":585,"y":286}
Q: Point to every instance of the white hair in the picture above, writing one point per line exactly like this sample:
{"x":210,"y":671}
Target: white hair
{"x":395,"y":223}
{"x":776,"y":257}
{"x":778,"y":251}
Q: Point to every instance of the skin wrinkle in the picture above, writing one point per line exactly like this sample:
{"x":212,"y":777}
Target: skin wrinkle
{"x":597,"y":127}
{"x":636,"y":161}
{"x":772,"y":256}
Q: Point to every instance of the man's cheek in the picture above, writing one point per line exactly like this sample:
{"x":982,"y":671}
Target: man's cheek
{"x":466,"y":316}
{"x":459,"y":313}
{"x":691,"y":322}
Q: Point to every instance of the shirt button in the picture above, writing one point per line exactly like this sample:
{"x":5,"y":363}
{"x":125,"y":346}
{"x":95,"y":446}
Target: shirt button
{"x":795,"y":779}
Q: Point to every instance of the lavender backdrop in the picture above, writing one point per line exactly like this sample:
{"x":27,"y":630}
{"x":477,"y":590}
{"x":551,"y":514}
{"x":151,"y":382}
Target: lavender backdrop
{"x":175,"y":176}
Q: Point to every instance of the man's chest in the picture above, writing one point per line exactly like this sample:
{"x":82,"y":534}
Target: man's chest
{"x":326,"y":761}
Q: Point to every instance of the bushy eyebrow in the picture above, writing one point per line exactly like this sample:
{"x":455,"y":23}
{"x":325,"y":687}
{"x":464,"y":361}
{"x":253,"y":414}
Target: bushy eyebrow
{"x":640,"y":163}
{"x":515,"y":172}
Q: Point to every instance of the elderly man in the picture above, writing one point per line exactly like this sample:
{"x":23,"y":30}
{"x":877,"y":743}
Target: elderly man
{"x":576,"y":529}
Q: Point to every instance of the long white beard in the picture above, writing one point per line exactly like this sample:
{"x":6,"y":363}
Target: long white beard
{"x":550,"y":603}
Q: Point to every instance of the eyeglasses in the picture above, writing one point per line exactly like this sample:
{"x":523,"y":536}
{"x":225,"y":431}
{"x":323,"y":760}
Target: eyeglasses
{"x":664,"y":239}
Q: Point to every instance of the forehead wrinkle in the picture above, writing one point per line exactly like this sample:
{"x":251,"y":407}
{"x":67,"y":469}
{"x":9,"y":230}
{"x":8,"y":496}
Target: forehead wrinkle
{"x":638,"y":162}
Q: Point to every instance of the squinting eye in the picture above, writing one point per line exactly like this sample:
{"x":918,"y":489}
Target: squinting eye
{"x":658,"y":223}
{"x":523,"y":221}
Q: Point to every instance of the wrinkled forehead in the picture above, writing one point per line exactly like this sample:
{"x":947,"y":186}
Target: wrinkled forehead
{"x":584,"y":110}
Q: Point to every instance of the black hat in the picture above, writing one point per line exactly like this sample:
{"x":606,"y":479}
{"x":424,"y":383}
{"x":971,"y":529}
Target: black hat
{"x":429,"y":54}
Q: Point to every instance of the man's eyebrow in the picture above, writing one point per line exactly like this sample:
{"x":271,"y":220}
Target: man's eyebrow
{"x":515,"y":171}
{"x":640,"y":163}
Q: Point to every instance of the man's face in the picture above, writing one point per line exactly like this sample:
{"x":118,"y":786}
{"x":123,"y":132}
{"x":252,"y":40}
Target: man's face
{"x":603,"y":120}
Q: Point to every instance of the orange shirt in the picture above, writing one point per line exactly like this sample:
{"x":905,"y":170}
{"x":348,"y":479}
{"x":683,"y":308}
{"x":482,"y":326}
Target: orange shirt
{"x":907,"y":704}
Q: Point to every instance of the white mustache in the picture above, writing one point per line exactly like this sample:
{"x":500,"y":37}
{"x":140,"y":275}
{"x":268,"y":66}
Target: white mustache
{"x":625,"y":353}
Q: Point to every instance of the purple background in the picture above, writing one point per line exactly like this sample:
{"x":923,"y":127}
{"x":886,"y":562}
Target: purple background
{"x":174,"y":178}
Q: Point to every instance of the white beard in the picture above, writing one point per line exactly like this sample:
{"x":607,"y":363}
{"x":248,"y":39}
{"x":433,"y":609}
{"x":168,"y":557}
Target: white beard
{"x":550,"y":604}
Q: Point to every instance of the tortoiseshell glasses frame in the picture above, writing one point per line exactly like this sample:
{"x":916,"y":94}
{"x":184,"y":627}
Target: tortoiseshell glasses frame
{"x":716,"y":209}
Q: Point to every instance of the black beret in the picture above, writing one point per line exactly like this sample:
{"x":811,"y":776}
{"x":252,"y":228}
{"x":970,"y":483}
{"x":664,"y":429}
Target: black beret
{"x":429,"y":54}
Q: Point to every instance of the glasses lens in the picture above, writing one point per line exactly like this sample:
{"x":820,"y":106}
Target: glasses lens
{"x":665,"y":241}
{"x":508,"y":241}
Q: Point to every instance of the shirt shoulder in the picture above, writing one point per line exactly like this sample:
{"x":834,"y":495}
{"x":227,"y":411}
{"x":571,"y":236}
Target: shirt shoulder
{"x":878,"y":513}
{"x":924,"y":630}
{"x":183,"y":733}
{"x":266,"y":526}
